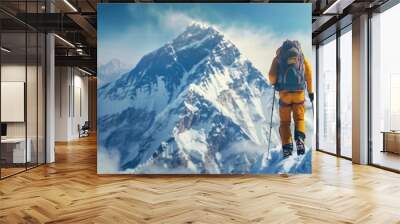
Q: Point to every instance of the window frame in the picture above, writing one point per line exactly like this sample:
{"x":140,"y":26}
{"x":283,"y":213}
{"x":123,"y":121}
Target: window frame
{"x":334,"y":37}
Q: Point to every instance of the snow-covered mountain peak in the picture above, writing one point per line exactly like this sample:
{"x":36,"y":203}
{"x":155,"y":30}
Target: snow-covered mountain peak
{"x":194,"y":105}
{"x":197,"y":33}
{"x":198,"y":44}
{"x":197,"y":26}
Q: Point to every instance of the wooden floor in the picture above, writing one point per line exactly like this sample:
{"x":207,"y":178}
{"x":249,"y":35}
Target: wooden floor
{"x":5,"y":172}
{"x":70,"y":191}
{"x":387,"y":159}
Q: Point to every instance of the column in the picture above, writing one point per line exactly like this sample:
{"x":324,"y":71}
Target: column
{"x":360,"y":90}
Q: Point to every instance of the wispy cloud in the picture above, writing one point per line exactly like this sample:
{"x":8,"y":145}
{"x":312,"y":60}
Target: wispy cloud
{"x":174,"y":21}
{"x":258,"y":45}
{"x":108,"y":161}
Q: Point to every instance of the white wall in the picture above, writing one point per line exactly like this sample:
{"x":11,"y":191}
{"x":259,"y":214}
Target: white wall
{"x":13,"y":101}
{"x":17,"y":73}
{"x":10,"y":73}
{"x":71,"y":94}
{"x":62,"y":81}
{"x":79,"y":115}
{"x":13,"y":72}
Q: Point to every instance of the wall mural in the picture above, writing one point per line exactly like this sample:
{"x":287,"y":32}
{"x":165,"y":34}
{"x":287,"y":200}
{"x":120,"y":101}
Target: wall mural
{"x":204,"y":88}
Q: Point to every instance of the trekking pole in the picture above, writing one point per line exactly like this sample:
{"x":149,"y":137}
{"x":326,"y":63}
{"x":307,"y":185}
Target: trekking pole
{"x":312,"y":107}
{"x":270,"y":124}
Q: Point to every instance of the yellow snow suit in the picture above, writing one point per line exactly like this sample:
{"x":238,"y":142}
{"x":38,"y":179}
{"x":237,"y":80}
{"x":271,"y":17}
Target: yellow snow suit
{"x":291,"y":102}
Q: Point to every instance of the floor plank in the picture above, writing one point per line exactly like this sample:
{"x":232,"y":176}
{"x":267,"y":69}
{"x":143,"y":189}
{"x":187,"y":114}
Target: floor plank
{"x":70,"y":191}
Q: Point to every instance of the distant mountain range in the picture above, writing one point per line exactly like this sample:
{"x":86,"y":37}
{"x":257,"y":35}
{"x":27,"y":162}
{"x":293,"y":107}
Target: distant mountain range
{"x":196,"y":105}
{"x":112,"y":71}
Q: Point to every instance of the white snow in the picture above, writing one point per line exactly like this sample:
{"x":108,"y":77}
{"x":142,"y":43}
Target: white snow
{"x":193,"y":142}
{"x":194,"y":44}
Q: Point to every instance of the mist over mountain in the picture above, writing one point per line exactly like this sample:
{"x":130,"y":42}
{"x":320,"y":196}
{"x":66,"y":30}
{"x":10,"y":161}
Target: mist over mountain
{"x":195,"y":105}
{"x":112,"y":70}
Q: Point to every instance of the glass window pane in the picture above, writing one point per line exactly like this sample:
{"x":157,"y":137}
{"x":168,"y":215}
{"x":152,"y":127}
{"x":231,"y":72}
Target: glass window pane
{"x":31,"y":97}
{"x":314,"y":63}
{"x":31,"y":88}
{"x":23,"y":86}
{"x":14,"y":153}
{"x":346,"y":94}
{"x":385,"y":86}
{"x":41,"y":99}
{"x":327,"y":97}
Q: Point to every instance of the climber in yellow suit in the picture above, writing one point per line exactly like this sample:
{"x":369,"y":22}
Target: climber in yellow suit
{"x":291,"y":93}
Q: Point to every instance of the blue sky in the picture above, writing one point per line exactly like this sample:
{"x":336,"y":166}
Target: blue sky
{"x":129,"y":31}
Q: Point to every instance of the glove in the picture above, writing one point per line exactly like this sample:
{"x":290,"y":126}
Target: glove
{"x":311,"y":96}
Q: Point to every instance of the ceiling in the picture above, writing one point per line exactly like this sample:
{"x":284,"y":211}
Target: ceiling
{"x":75,"y":22}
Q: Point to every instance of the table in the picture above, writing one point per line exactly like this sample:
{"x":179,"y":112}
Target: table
{"x":391,"y":141}
{"x":13,"y":150}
